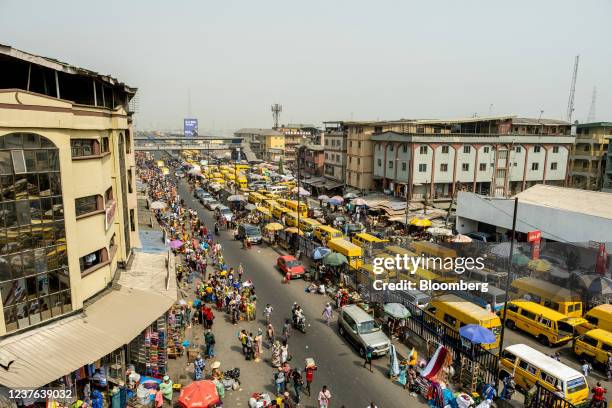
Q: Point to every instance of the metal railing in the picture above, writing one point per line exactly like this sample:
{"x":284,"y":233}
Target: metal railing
{"x":544,"y":398}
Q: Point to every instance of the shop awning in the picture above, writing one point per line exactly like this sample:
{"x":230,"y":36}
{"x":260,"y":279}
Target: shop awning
{"x":42,"y":355}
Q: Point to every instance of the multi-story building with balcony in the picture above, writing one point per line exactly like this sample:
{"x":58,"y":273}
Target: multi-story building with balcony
{"x":335,"y":138}
{"x":607,"y":179}
{"x":588,"y":157}
{"x":498,"y":156}
{"x":311,"y":158}
{"x":297,"y":134}
{"x":266,"y":144}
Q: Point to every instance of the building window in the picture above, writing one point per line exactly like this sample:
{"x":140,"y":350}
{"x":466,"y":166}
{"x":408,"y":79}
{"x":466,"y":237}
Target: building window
{"x":391,"y":147}
{"x":445,"y":149}
{"x":443,"y":167}
{"x":326,"y":156}
{"x":379,"y":162}
{"x":536,"y":149}
{"x":379,"y":147}
{"x":105,"y":145}
{"x":128,"y":142}
{"x":130,"y":181}
{"x":465,"y":167}
{"x":404,"y":166}
{"x":423,"y":150}
{"x":378,"y":129}
{"x":486,"y":149}
{"x":89,"y":204}
{"x":358,"y":145}
{"x":420,"y":129}
{"x":327,"y":142}
{"x":517,"y":149}
{"x":467,"y":149}
{"x":84,"y":147}
{"x":535,"y":166}
{"x":405,"y":148}
{"x":422,"y":168}
{"x":482,"y":166}
{"x":132,"y":220}
{"x":359,"y":161}
{"x":553,"y":166}
{"x":108,"y":194}
{"x":93,"y":259}
{"x":34,"y":273}
{"x":390,"y":164}
{"x":555,"y":149}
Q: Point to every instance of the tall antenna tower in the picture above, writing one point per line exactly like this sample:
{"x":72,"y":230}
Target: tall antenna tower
{"x":276,"y":110}
{"x":570,"y":102}
{"x":591,"y":117}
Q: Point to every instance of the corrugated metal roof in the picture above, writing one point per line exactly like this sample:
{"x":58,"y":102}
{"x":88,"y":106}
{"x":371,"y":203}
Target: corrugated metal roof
{"x":47,"y":353}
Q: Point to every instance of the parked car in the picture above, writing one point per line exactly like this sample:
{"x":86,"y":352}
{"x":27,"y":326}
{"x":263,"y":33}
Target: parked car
{"x":362,"y":331}
{"x":480,"y":236}
{"x":211,"y":204}
{"x":225,"y":212}
{"x":250,"y":232}
{"x":287,"y":264}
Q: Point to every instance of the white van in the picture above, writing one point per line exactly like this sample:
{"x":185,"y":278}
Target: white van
{"x":277,"y":189}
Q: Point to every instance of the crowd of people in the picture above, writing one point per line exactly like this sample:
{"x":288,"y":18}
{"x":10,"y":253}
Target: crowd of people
{"x":219,"y":288}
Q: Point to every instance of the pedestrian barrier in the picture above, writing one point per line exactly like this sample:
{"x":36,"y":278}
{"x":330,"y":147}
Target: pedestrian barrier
{"x":544,"y":398}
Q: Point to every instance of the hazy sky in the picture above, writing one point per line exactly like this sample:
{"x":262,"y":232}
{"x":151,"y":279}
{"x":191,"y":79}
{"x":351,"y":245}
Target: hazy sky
{"x":329,"y":59}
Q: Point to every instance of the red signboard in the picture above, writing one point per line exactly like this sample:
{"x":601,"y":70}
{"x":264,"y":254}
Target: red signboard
{"x":533,"y":236}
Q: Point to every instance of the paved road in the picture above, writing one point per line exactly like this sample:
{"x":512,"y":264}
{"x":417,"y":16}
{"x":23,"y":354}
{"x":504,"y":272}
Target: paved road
{"x":340,"y":367}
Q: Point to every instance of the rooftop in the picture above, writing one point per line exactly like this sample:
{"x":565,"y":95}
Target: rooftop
{"x":594,"y":124}
{"x":258,"y":131}
{"x":513,"y":118}
{"x":595,"y":203}
{"x":60,"y":66}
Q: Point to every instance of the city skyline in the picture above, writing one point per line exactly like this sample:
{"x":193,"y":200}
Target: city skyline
{"x":328,"y":62}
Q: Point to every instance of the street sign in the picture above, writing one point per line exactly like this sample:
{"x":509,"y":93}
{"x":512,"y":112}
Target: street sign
{"x":533,"y":236}
{"x":190,"y":127}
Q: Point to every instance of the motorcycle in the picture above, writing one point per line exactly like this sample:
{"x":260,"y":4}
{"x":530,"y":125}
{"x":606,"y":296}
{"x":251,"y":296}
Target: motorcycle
{"x":300,"y":324}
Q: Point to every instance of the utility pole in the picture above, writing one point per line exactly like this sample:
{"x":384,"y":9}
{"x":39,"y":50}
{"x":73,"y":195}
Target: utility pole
{"x":507,"y":289}
{"x":297,"y":161}
{"x":570,"y":102}
{"x":236,"y":170}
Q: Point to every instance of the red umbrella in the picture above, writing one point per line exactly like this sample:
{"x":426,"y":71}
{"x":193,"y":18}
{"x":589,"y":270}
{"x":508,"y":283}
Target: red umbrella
{"x":199,"y":394}
{"x":602,"y":258}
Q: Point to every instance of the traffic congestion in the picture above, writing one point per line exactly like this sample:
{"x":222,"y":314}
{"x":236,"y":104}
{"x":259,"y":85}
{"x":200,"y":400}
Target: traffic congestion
{"x":556,"y":344}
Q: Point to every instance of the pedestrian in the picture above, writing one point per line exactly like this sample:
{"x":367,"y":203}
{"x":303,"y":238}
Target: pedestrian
{"x":258,"y":344}
{"x":324,"y":397}
{"x":209,"y":339}
{"x":372,"y":405}
{"x":268,"y":313}
{"x":287,"y":401}
{"x":240,"y":272}
{"x":166,"y":389}
{"x":286,"y":330}
{"x":198,"y":367}
{"x":586,"y":368}
{"x":284,"y":352}
{"x":270,"y":334}
{"x":327,"y":313}
{"x":279,"y":380}
{"x":609,"y":368}
{"x":310,"y":369}
{"x":250,"y":347}
{"x":276,"y":354}
{"x":298,"y":383}
{"x":159,"y":397}
{"x":243,"y":341}
{"x":368,"y":357}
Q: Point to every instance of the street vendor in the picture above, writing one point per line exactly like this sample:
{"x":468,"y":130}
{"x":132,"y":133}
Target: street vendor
{"x":166,"y":389}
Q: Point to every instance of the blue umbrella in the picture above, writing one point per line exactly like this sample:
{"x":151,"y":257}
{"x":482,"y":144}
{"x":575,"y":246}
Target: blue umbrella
{"x":334,"y":202}
{"x":477,"y":334}
{"x":320,"y":253}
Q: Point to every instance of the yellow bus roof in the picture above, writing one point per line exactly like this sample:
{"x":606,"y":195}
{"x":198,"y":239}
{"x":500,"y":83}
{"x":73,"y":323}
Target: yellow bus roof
{"x":600,"y":334}
{"x":292,"y":214}
{"x":553,"y":315}
{"x":603,"y":309}
{"x":327,"y":228}
{"x":468,"y":308}
{"x":544,"y":288}
{"x":263,"y":210}
{"x":370,"y":237}
{"x":431,"y":248}
{"x":309,"y":221}
{"x":343,"y":244}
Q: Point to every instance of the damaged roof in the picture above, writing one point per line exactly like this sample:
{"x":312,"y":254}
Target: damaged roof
{"x":64,"y":67}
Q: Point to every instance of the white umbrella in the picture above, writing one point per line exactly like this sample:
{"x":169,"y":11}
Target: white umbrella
{"x":323,"y":197}
{"x":195,"y":170}
{"x":158,"y":205}
{"x":303,"y":192}
{"x":236,"y":197}
{"x":359,"y":201}
{"x":442,"y":232}
{"x":348,"y":196}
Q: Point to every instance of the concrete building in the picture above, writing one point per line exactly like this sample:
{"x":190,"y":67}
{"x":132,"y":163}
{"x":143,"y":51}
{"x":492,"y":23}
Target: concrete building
{"x":266,"y":144}
{"x":607,"y":181}
{"x":311,"y":159}
{"x":297,"y":134}
{"x":497,"y":156}
{"x":587,"y":161}
{"x":335,"y":143}
{"x":562,"y":214}
{"x":69,"y":224}
{"x":67,"y":178}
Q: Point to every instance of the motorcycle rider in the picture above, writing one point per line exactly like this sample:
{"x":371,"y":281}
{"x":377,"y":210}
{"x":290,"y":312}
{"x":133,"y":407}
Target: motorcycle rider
{"x":598,"y":400}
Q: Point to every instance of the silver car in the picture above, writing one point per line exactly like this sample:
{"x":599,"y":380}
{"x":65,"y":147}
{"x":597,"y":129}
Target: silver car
{"x":361,"y":329}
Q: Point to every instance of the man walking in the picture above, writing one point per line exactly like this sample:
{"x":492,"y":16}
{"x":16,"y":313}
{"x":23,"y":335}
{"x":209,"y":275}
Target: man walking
{"x":324,"y":397}
{"x":209,"y":339}
{"x":368,"y":358}
{"x":298,"y":383}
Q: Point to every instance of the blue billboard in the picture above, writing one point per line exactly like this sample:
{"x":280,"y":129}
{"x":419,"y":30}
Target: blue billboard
{"x":190,"y":127}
